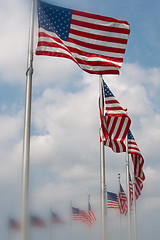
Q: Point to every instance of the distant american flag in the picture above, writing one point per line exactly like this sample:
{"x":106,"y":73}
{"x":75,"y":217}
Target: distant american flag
{"x":55,"y":218}
{"x":96,"y":43}
{"x":13,"y":224}
{"x":91,"y":216}
{"x":112,"y":200}
{"x":115,"y":123}
{"x":131,"y":189}
{"x":122,"y":201}
{"x":80,"y":215}
{"x":138,"y":187}
{"x":37,"y":222}
{"x":137,"y":158}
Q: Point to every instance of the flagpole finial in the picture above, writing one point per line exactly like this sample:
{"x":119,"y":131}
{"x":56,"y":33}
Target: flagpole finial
{"x":125,"y":109}
{"x":89,"y":195}
{"x":119,"y":174}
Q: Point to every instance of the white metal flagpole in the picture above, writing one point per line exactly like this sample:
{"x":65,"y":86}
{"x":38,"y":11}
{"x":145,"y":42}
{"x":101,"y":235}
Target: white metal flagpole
{"x":71,"y":220}
{"x":128,"y":188}
{"x":88,"y":216}
{"x":102,"y":173}
{"x":134,"y":208}
{"x":120,"y":225}
{"x":26,"y":138}
{"x":51,"y":224}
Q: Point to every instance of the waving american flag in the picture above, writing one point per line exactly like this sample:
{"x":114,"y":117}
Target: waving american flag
{"x":95,"y":43}
{"x":136,"y":155}
{"x":115,"y":122}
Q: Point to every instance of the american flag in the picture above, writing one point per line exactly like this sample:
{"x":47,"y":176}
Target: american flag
{"x":112,"y":200}
{"x":37,"y":221}
{"x":91,"y":216}
{"x":131,"y":189}
{"x":122,"y":198}
{"x":137,"y":158}
{"x":55,"y":218}
{"x":80,"y":215}
{"x":138,"y":187}
{"x":13,"y":224}
{"x":95,"y":43}
{"x":115,"y":122}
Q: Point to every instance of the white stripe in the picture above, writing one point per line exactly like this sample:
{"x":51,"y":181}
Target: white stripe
{"x":100,"y":22}
{"x":87,"y":50}
{"x":47,"y":39}
{"x":94,"y":51}
{"x":123,"y":128}
{"x":99,"y":32}
{"x":98,"y":68}
{"x":98,"y":42}
{"x":113,"y":111}
{"x":114,"y":146}
{"x":95,"y":59}
{"x":53,"y":49}
{"x":120,"y":146}
{"x":116,"y":127}
{"x":114,"y":105}
{"x":110,"y":123}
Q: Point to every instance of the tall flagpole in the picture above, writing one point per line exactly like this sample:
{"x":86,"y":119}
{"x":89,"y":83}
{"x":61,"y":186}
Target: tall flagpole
{"x":120,"y":225}
{"x":26,"y":138}
{"x":89,"y":197}
{"x":102,"y":175}
{"x":128,"y":188}
{"x":70,"y":220}
{"x":50,"y":220}
{"x":134,"y":208}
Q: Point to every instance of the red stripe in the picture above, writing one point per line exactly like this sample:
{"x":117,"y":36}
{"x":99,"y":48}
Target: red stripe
{"x":52,"y":45}
{"x":100,"y":27}
{"x":48,"y":53}
{"x":111,"y":101}
{"x":98,"y":37}
{"x":101,"y":72}
{"x":96,"y":47}
{"x":113,"y":126}
{"x":94,"y":63}
{"x":114,"y":109}
{"x":119,"y":128}
{"x":99,"y":17}
{"x":78,"y":51}
{"x":126,"y":128}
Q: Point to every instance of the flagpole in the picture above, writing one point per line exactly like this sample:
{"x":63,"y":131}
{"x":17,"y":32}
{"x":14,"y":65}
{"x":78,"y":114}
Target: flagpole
{"x":26,"y":138}
{"x":88,"y":211}
{"x":70,"y":220}
{"x":120,"y":225}
{"x":51,"y":235}
{"x":102,"y":176}
{"x":128,"y":187}
{"x":134,"y":207}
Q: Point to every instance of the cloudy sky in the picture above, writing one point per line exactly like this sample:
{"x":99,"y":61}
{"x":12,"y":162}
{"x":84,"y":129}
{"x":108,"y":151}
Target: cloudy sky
{"x":64,"y":162}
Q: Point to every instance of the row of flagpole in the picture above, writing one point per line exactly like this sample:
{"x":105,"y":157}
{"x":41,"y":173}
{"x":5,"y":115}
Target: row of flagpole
{"x":26,"y":152}
{"x":104,"y":233}
{"x":27,"y":129}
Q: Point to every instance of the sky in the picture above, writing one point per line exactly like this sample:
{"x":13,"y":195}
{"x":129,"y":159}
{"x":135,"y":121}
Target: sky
{"x":65,"y":152}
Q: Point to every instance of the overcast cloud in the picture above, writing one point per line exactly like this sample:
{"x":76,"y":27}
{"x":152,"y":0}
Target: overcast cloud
{"x":65,"y":125}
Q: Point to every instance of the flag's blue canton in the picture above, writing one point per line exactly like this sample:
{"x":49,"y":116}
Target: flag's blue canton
{"x":107,"y":91}
{"x":121,"y":189}
{"x":112,"y":196}
{"x":75,"y":210}
{"x":54,"y":215}
{"x":55,"y":19}
{"x":130,"y":135}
